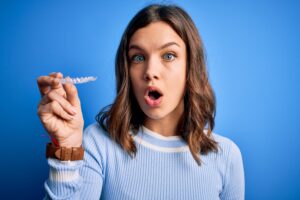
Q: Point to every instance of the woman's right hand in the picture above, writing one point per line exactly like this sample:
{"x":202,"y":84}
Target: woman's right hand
{"x":59,"y":110}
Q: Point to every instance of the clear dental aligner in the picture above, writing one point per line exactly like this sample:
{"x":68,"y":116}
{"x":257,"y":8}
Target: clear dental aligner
{"x":78,"y":80}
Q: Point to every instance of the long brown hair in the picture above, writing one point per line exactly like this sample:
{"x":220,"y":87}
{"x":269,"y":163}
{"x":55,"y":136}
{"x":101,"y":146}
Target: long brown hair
{"x":124,"y":114}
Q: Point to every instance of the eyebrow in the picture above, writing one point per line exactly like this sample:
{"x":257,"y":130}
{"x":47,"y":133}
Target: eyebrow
{"x":134,"y":46}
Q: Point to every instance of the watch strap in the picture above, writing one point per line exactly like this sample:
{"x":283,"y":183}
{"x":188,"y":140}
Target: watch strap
{"x":64,"y":153}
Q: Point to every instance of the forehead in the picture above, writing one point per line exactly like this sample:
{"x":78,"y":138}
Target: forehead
{"x":155,"y":34}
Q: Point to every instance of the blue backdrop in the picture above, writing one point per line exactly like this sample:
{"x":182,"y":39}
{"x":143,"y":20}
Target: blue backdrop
{"x":253,"y":62}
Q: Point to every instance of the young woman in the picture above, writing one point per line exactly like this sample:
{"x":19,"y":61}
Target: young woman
{"x":155,"y":140}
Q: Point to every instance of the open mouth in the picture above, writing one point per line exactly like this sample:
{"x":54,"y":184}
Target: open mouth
{"x":153,"y":96}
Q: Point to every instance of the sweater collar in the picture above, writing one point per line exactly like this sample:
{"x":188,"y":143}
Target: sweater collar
{"x":158,"y":142}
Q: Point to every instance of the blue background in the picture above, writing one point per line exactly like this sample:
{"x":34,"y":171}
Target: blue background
{"x":253,"y":62}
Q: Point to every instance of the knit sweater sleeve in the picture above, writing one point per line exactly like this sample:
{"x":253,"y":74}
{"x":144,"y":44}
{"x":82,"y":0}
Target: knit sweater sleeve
{"x":78,"y":179}
{"x":234,"y":182}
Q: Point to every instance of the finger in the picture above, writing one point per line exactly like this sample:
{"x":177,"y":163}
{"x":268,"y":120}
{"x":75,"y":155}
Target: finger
{"x":72,"y":94}
{"x":52,"y":74}
{"x":58,"y":75}
{"x":45,"y":100}
{"x":55,"y":108}
{"x":59,"y":111}
{"x":45,"y":90}
{"x":59,"y":88}
{"x":45,"y":82}
{"x":54,"y":96}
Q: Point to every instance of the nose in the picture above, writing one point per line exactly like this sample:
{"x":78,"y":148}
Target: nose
{"x":152,"y":70}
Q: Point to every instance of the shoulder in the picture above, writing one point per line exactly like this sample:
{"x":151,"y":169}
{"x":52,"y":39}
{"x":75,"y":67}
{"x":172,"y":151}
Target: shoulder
{"x":233,"y":169}
{"x":230,"y":159}
{"x":228,"y":153}
{"x":227,"y":146}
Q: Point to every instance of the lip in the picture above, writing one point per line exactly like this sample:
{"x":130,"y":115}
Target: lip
{"x":151,"y":102}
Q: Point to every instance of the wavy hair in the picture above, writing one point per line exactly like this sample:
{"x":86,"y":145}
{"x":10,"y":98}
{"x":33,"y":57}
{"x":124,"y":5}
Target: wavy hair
{"x":124,"y":114}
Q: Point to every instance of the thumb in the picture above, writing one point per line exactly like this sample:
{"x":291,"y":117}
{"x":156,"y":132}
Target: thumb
{"x":72,"y":94}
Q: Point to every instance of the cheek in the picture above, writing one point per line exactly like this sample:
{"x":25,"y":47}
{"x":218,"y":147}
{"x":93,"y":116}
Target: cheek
{"x":135,"y":81}
{"x":133,"y":76}
{"x":178,"y":73}
{"x":177,"y":81}
{"x":135,"y":73}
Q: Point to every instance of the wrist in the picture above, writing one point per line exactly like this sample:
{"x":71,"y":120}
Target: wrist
{"x":75,"y":140}
{"x":70,"y":144}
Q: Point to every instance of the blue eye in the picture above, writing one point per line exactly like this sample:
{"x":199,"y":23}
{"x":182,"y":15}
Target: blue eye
{"x":169,"y":56}
{"x":137,"y":58}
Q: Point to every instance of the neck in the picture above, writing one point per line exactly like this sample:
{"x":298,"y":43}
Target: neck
{"x":168,"y":125}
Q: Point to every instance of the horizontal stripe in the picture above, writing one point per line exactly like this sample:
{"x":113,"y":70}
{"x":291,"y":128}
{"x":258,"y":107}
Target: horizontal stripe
{"x":140,"y":141}
{"x":159,"y":136}
{"x":63,"y":176}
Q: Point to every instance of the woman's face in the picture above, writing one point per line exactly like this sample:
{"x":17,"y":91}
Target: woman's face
{"x":158,"y":70}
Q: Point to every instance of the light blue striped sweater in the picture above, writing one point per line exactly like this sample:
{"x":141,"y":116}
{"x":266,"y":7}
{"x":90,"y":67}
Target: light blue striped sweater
{"x":162,"y":169}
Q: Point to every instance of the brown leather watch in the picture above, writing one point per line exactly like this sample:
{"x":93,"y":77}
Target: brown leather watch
{"x":63,"y":153}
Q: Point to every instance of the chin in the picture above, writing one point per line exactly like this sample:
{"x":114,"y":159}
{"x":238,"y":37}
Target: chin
{"x":155,"y":115}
